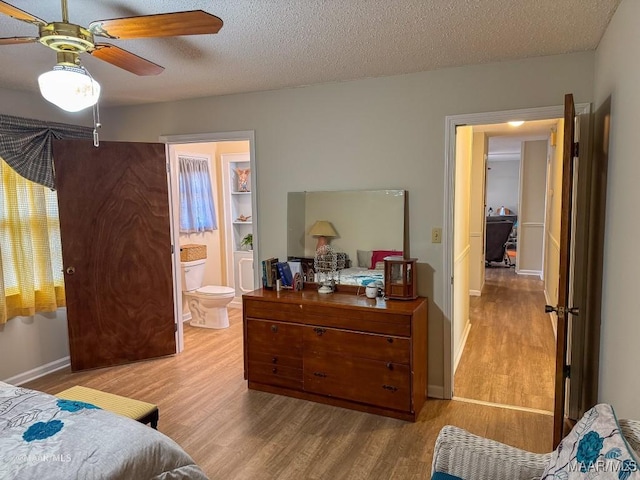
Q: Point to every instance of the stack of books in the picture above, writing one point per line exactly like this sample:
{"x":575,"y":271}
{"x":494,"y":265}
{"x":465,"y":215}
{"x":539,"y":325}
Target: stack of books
{"x":274,"y":270}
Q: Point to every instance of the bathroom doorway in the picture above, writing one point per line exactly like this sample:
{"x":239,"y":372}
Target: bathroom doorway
{"x":231,"y":248}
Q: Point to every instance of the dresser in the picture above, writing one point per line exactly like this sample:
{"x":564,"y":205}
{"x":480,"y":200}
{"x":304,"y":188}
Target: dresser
{"x":340,"y":349}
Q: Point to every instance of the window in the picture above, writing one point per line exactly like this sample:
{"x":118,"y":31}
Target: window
{"x":31,"y":277}
{"x":197,"y":212}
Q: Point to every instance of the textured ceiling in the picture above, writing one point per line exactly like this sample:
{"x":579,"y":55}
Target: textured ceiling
{"x":271,"y":44}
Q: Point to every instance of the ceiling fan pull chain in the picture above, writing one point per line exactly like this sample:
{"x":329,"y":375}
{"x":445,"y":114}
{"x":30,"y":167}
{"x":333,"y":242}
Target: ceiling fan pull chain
{"x":65,"y":11}
{"x":96,"y":125}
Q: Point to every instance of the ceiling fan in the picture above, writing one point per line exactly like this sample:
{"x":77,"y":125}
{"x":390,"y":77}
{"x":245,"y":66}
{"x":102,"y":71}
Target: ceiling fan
{"x":69,"y":40}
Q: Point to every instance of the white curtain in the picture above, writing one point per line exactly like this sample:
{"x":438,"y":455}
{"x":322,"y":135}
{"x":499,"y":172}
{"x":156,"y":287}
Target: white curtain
{"x":197,"y":211}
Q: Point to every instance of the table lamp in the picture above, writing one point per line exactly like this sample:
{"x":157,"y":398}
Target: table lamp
{"x":322,"y":229}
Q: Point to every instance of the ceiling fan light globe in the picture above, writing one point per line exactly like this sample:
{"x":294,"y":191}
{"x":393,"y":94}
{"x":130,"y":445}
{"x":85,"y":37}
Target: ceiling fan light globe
{"x":69,"y":88}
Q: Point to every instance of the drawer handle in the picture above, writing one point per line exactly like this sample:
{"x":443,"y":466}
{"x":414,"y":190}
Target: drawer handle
{"x":274,"y":328}
{"x":320,"y":374}
{"x":389,"y":339}
{"x":319,"y":331}
{"x":274,"y":370}
{"x":391,"y":388}
{"x":390,"y":365}
{"x":274,"y":360}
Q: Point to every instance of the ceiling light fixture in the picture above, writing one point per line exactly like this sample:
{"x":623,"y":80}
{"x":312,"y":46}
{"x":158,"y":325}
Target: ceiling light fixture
{"x":69,"y":87}
{"x":516,"y":123}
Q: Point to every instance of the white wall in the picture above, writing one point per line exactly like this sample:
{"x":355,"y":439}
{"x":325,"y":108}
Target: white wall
{"x":384,"y":133}
{"x":617,"y":75}
{"x":461,"y":239}
{"x":33,"y":346}
{"x":552,"y":219}
{"x":532,"y":206}
{"x":477,"y":214}
{"x":503,"y":184}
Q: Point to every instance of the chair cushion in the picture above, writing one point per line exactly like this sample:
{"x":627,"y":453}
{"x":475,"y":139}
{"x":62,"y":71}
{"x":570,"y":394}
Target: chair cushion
{"x":595,"y":446}
{"x":444,"y":476}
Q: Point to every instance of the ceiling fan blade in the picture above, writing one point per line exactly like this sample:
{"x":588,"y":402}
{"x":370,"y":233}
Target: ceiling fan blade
{"x":126,"y":60}
{"x":195,"y":22}
{"x":18,"y":14}
{"x":17,"y":40}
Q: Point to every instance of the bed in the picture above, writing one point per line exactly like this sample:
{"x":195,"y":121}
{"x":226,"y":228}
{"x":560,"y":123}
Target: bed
{"x":370,"y":268}
{"x":359,"y":276}
{"x":42,"y":436}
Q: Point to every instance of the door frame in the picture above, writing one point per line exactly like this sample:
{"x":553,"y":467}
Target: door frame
{"x":451,"y":122}
{"x":245,"y":135}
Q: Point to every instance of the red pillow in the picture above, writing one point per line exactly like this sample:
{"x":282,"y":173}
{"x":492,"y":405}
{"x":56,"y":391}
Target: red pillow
{"x":378,"y":255}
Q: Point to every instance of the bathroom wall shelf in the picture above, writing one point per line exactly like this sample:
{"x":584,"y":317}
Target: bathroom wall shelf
{"x":237,"y":176}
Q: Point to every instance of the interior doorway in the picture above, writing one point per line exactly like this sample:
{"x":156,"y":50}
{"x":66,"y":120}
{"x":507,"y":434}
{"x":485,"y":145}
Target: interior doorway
{"x":232,"y":248}
{"x":505,"y":347}
{"x":458,"y":306}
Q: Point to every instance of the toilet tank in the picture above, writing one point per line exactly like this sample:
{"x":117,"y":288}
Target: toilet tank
{"x":192,"y":274}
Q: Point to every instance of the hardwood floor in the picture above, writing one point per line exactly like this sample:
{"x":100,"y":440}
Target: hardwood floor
{"x":234,"y":433}
{"x":509,"y":356}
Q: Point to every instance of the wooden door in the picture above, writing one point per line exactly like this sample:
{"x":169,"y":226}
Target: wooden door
{"x":581,"y":262}
{"x":116,"y":248}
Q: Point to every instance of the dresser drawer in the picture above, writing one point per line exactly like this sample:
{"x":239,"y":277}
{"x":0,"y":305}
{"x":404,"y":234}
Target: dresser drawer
{"x":358,"y":319}
{"x":284,"y":312}
{"x":362,"y":380}
{"x":386,"y":348}
{"x":281,"y":376}
{"x":264,"y":336}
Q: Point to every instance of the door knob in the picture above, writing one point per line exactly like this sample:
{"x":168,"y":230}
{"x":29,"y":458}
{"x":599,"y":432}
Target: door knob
{"x":561,"y":311}
{"x":71,"y":270}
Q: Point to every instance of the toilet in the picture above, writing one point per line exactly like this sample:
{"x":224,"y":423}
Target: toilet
{"x":207,"y":304}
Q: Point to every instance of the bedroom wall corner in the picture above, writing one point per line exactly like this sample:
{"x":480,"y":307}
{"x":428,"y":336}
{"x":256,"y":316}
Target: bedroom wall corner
{"x":34,"y":346}
{"x":31,"y":347}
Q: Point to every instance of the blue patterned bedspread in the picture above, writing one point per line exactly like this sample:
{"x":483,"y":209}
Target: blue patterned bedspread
{"x":43,"y":437}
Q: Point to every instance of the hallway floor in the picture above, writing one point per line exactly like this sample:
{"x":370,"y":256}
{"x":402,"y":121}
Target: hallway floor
{"x":509,"y":355}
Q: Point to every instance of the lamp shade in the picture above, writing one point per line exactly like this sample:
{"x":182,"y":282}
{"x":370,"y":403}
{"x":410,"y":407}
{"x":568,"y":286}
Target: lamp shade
{"x":322,"y":228}
{"x":69,"y":88}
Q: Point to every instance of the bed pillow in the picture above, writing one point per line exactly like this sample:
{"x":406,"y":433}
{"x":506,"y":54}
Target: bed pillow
{"x":595,"y":446}
{"x":377,"y":256}
{"x":364,"y":258}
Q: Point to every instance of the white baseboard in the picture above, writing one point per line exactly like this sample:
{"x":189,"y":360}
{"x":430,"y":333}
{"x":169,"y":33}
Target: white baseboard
{"x":435,"y":391}
{"x":537,"y":273}
{"x":465,"y":335}
{"x":39,"y":371}
{"x":186,"y":317}
{"x":236,"y":302}
{"x":475,"y":293}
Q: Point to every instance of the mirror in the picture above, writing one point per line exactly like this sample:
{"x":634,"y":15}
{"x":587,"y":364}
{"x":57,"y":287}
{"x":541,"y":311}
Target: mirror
{"x":363,"y":220}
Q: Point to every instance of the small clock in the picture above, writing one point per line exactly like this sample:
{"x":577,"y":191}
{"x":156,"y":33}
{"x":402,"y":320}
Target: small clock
{"x":400,"y":278}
